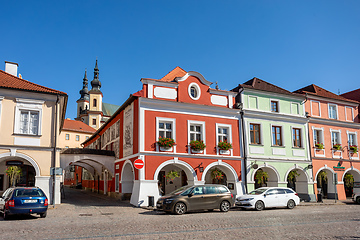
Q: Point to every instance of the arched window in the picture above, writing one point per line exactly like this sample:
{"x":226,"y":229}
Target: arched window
{"x":94,"y":102}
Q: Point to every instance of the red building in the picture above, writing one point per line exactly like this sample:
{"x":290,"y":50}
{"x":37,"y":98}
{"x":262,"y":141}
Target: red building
{"x":182,"y":107}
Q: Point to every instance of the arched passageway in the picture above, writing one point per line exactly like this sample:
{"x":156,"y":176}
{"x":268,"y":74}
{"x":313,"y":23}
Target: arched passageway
{"x":349,"y":178}
{"x":298,"y":181}
{"x":325,"y":185}
{"x":265,"y":177}
{"x":127,"y":179}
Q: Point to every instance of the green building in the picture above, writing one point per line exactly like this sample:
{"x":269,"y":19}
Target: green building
{"x":275,"y":138}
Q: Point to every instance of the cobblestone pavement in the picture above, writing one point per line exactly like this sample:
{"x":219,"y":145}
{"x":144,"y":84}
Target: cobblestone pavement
{"x":85,"y":215}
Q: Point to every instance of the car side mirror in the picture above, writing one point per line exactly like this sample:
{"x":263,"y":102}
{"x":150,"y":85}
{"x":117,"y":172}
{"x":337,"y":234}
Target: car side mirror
{"x":264,"y":195}
{"x":190,"y":194}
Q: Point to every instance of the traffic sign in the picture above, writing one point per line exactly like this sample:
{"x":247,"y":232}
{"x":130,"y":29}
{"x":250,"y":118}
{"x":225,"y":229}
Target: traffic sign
{"x":138,"y":164}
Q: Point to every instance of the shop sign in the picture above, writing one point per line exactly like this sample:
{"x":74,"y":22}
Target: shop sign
{"x":14,"y":163}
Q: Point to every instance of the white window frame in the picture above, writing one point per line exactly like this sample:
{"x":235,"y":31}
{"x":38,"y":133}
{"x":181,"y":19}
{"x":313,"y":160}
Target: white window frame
{"x":257,"y":102}
{"x":28,"y":105}
{"x":301,"y":137}
{"x":77,"y":138}
{"x":352,"y":114}
{"x":319,"y":106}
{"x":202,"y":124}
{"x":298,"y":106}
{"x":348,"y":139}
{"x":261,"y":134}
{"x":229,"y":127}
{"x":197,"y":89}
{"x":331,"y":136}
{"x":282,"y":135}
{"x":67,"y":136}
{"x":336,"y":108}
{"x":322,"y":135}
{"x":278,"y":105}
{"x":169,"y":120}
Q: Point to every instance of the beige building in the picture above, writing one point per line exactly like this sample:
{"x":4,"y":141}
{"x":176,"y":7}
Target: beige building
{"x":31,"y":119}
{"x":74,"y":133}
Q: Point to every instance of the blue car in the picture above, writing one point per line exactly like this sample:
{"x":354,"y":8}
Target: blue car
{"x":23,"y":200}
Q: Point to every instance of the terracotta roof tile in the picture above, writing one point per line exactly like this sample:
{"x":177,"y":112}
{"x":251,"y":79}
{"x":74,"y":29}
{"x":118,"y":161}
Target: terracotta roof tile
{"x":176,"y":72}
{"x":318,"y":91}
{"x":77,"y":126}
{"x":12,"y":82}
{"x":354,"y":95}
{"x":258,"y":84}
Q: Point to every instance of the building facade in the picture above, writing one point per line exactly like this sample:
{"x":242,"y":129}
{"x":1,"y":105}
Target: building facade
{"x":275,"y":138}
{"x":31,"y":118}
{"x":333,"y":132}
{"x":180,"y":106}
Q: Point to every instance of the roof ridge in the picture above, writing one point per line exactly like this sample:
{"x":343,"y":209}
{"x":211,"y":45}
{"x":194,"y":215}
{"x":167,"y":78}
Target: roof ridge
{"x":23,"y":80}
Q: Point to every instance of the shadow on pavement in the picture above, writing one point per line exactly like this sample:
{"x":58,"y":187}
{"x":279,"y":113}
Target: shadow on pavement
{"x":84,"y":198}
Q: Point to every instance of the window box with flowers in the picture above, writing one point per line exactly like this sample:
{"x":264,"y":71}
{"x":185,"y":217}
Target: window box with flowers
{"x":353,"y":148}
{"x":224,"y":147}
{"x":166,"y":144}
{"x":197,"y":146}
{"x":337,"y":147}
{"x":319,"y":145}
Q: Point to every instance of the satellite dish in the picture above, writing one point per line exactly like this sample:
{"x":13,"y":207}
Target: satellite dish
{"x":255,"y":166}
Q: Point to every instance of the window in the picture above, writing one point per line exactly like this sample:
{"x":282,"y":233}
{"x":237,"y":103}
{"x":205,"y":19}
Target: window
{"x":29,"y":122}
{"x":77,"y":138}
{"x":318,"y":136}
{"x":274,"y":106}
{"x":67,"y":136}
{"x":66,"y":146}
{"x":335,"y":138}
{"x":296,"y":137}
{"x":165,"y":129}
{"x":94,"y":102}
{"x":117,"y":183}
{"x":194,"y":91}
{"x":255,"y":133}
{"x":94,"y":121}
{"x":276,"y":135}
{"x":87,"y":137}
{"x":332,"y":111}
{"x":352,"y":139}
{"x":211,"y":190}
{"x":223,"y":134}
{"x":195,"y":132}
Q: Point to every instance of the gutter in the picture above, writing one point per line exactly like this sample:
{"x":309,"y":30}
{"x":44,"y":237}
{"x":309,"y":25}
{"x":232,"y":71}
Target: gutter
{"x":53,"y":162}
{"x":243,"y":140}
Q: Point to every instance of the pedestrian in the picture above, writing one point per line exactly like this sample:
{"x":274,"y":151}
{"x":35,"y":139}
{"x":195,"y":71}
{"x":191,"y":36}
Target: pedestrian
{"x":161,"y":192}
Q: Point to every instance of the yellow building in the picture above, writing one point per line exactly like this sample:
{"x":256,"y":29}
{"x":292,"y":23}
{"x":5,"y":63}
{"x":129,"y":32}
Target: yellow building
{"x":74,"y":133}
{"x":31,"y":119}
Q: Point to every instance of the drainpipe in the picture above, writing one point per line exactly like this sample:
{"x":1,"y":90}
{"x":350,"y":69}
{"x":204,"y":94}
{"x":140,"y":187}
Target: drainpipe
{"x":243,"y":141}
{"x":309,"y":142}
{"x":53,"y":162}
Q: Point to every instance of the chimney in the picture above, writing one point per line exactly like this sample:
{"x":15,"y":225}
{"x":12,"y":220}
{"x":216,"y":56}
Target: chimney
{"x":11,"y":68}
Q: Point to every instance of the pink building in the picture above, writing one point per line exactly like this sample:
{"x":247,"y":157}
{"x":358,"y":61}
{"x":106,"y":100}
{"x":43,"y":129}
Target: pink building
{"x":334,"y":130}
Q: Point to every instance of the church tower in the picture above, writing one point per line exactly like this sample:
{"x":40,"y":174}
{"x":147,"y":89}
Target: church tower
{"x":95,"y":111}
{"x":83,"y":102}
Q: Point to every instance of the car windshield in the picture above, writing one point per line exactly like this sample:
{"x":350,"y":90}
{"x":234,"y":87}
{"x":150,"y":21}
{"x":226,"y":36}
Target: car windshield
{"x":28,"y":193}
{"x":258,"y":191}
{"x":180,"y":190}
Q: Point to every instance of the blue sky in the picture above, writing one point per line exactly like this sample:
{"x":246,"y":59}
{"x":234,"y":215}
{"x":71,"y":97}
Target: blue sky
{"x":288,"y":43}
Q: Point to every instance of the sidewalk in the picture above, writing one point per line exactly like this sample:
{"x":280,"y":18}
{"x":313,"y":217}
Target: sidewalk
{"x":327,"y":202}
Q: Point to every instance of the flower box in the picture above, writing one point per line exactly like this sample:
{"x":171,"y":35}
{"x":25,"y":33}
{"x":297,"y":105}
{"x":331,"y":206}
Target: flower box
{"x":196,"y":151}
{"x":353,"y":148}
{"x":337,"y":147}
{"x":319,"y":146}
{"x":224,"y":152}
{"x":166,"y":149}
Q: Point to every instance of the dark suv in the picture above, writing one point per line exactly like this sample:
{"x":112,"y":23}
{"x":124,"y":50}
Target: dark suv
{"x":23,"y":200}
{"x":199,"y":197}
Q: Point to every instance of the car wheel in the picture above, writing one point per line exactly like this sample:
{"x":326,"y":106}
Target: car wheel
{"x":180,"y":208}
{"x":43,"y":215}
{"x":224,"y":206}
{"x":358,"y":200}
{"x":290,"y":204}
{"x":259,"y":205}
{"x":5,"y":215}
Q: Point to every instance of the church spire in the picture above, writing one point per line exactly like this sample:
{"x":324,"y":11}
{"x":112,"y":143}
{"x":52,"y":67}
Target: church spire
{"x":95,"y":83}
{"x":84,"y":92}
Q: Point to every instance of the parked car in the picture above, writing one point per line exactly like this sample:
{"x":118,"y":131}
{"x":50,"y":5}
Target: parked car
{"x":199,"y":197}
{"x":269,"y":197}
{"x":23,"y":200}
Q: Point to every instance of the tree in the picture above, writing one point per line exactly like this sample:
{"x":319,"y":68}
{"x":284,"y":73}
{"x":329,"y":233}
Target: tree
{"x":322,"y":177}
{"x":349,"y":180}
{"x":261,"y":177}
{"x":14,"y":173}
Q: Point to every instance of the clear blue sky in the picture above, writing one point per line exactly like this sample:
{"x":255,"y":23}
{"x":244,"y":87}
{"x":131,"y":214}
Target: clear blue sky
{"x":288,"y":43}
